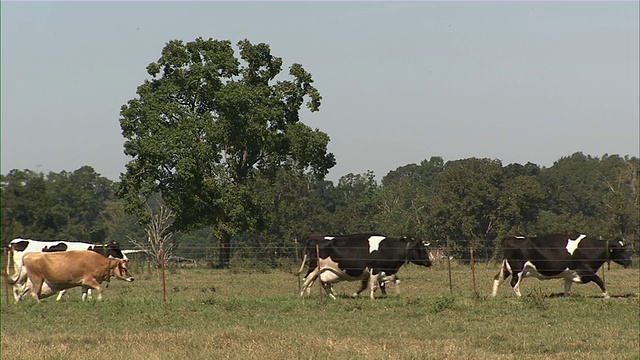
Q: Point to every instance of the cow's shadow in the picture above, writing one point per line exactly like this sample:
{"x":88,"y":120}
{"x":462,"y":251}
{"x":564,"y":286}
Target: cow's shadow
{"x":615,"y":296}
{"x":347,"y":296}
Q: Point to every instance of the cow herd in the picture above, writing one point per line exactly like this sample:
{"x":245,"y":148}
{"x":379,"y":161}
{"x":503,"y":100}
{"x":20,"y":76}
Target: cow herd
{"x":48,"y":267}
{"x":45,"y":268}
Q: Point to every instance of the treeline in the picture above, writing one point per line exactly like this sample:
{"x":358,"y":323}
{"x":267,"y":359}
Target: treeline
{"x":469,"y":202}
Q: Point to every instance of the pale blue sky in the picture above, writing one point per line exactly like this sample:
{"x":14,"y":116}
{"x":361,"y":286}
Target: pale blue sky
{"x":401,"y":82}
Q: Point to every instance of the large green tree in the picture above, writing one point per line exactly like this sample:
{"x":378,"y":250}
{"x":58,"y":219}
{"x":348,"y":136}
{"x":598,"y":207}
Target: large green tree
{"x":208,"y":124}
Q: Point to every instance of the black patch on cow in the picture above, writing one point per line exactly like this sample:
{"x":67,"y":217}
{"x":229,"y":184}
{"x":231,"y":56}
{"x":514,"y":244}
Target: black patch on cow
{"x":111,"y":249}
{"x":20,"y":245}
{"x":55,"y":248}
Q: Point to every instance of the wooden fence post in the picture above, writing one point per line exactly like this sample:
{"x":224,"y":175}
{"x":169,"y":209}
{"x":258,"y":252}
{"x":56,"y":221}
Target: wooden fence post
{"x":606,"y":256}
{"x":473,"y":272}
{"x":318,"y":265}
{"x":164,"y":285}
{"x":5,"y":256}
{"x":449,"y":266}
{"x":297,"y":261}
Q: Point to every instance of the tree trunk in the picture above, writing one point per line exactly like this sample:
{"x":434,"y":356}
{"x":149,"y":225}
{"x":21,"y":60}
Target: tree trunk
{"x":224,"y":254}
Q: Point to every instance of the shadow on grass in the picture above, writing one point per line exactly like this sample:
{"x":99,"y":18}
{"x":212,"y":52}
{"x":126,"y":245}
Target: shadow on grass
{"x":619,"y":296}
{"x":349,"y":297}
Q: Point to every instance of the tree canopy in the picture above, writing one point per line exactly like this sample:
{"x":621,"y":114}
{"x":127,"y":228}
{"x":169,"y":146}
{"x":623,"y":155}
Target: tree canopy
{"x":467,"y":202}
{"x":208,"y":125}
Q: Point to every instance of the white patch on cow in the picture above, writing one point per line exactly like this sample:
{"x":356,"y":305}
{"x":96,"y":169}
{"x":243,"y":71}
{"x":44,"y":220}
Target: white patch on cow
{"x":572,"y":245}
{"x":530,"y":270}
{"x":329,"y":237}
{"x":374,"y":242}
{"x":329,"y":276}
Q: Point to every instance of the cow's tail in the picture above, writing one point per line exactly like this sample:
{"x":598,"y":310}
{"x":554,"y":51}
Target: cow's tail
{"x":301,"y":269}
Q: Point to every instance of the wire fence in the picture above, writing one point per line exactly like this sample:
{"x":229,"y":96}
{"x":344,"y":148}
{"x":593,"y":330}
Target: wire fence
{"x":276,"y":256}
{"x":289,"y":259}
{"x":272,"y":257}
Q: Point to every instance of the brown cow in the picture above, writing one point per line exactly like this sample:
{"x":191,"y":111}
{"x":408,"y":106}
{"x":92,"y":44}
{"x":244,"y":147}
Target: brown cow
{"x":49,"y":273}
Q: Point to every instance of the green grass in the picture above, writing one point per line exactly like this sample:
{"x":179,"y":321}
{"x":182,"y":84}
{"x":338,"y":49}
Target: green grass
{"x":223,"y":314}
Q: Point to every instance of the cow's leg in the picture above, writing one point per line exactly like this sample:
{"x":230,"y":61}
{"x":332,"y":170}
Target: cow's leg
{"x":20,"y":291}
{"x":363,"y":285}
{"x":328,"y":288}
{"x":60,"y":294}
{"x":310,"y":278}
{"x":307,"y":291}
{"x":516,"y":279}
{"x":389,"y":279}
{"x":567,"y":286}
{"x":596,"y":279}
{"x":501,"y":276}
{"x":16,"y":293}
{"x":86,"y":293}
{"x":304,"y":260}
{"x":373,"y":284}
{"x":92,"y":284}
{"x":396,"y":283}
{"x":21,"y":286}
{"x":35,"y":286}
{"x":99,"y":290}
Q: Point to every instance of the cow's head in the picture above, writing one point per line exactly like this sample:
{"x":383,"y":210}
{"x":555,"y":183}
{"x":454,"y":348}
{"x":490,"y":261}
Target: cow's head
{"x":121,"y":271}
{"x":620,"y":252}
{"x":419,"y":253}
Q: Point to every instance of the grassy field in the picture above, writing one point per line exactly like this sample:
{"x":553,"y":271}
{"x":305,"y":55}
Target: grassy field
{"x":227,"y":314}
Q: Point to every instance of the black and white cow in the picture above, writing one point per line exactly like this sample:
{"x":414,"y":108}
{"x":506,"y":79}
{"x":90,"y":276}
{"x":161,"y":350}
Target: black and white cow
{"x":370,"y":258}
{"x":19,"y":247}
{"x":310,"y":242}
{"x":573,"y":258}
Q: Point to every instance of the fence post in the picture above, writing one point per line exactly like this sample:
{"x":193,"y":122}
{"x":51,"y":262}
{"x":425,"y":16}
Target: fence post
{"x":5,"y":270}
{"x":473,"y":272}
{"x":606,"y":256}
{"x":164,"y":285}
{"x":449,"y":266}
{"x":295,"y":240}
{"x":318,"y":265}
